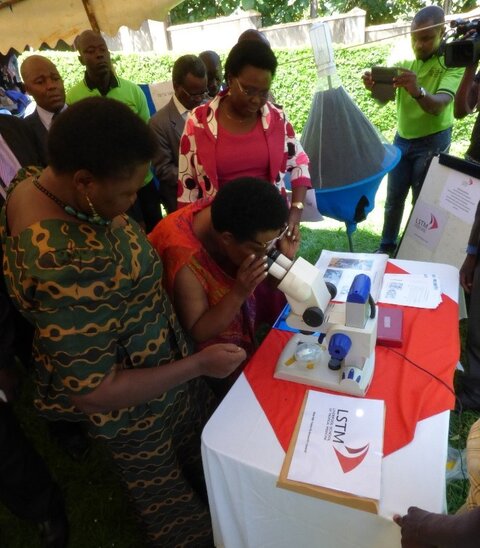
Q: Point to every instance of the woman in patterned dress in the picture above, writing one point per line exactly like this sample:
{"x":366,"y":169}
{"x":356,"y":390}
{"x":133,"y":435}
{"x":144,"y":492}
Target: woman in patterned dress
{"x":108,"y":348}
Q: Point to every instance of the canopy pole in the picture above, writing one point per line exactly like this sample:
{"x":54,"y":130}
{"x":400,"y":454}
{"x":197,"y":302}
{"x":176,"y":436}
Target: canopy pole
{"x":91,"y":16}
{"x":9,"y":3}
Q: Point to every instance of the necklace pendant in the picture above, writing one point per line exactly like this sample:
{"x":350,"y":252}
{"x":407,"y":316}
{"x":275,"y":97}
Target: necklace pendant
{"x":97,"y":219}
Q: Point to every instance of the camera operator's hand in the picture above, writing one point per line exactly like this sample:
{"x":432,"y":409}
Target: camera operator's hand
{"x":407,"y":79}
{"x":469,"y":34}
{"x":367,"y":80}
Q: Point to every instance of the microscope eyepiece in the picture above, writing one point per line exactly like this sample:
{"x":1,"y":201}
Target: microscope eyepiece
{"x":273,"y":253}
{"x":276,"y":258}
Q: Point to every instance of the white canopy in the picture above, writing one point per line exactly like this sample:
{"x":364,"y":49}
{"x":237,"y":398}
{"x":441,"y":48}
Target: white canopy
{"x":34,"y":22}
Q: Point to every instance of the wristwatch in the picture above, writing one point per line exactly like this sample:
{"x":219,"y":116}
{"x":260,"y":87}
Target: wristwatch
{"x":298,"y":205}
{"x":421,"y":95}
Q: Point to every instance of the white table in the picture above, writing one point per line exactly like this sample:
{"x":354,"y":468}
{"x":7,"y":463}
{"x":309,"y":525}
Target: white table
{"x":242,"y":459}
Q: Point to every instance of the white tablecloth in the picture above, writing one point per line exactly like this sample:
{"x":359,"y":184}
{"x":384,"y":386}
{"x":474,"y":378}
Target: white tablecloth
{"x":242,"y":459}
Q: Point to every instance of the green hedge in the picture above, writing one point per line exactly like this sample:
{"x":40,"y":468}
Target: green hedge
{"x":293,"y":87}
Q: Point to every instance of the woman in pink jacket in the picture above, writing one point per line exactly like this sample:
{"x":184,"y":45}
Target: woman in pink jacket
{"x":239,"y":133}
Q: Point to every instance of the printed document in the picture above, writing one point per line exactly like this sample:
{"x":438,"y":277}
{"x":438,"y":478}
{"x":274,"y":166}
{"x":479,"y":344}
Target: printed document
{"x":340,"y":268}
{"x":417,"y":290}
{"x":340,"y":444}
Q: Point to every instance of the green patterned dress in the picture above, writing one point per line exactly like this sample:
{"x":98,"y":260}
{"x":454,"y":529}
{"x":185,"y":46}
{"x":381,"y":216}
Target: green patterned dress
{"x":95,"y":296}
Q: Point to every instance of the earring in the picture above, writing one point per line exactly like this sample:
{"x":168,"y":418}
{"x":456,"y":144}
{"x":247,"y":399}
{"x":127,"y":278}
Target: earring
{"x":95,"y":216}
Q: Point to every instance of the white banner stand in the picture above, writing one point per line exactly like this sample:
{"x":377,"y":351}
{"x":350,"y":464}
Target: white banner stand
{"x":440,"y":222}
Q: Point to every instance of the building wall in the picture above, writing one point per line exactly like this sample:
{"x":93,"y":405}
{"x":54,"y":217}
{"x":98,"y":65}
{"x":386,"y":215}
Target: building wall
{"x":218,"y":34}
{"x":347,"y":28}
{"x":221,"y":34}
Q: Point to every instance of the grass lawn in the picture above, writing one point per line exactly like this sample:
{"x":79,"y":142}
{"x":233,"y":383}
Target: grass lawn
{"x":97,"y":507}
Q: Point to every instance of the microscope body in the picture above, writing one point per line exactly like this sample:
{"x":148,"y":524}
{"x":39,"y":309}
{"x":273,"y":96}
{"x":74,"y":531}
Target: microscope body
{"x":335,"y":348}
{"x":307,"y":294}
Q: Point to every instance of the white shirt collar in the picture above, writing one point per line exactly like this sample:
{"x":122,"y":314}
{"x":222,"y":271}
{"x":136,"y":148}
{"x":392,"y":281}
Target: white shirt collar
{"x":46,"y":116}
{"x":181,"y":109}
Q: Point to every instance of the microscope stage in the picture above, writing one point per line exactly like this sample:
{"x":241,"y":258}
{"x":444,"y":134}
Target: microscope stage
{"x":349,"y":379}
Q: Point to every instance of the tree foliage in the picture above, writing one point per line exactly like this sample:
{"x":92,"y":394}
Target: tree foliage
{"x":287,"y":11}
{"x":379,"y":12}
{"x":388,"y":11}
{"x":192,"y":11}
{"x":273,"y":11}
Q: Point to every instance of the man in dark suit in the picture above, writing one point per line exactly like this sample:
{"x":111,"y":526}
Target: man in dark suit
{"x":44,"y":83}
{"x":213,"y":64}
{"x":190,"y":85}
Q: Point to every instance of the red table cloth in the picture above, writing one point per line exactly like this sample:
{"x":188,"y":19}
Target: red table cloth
{"x":415,"y":380}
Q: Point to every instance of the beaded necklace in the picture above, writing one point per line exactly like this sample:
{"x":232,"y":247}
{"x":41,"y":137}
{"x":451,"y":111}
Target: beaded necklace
{"x":95,"y":218}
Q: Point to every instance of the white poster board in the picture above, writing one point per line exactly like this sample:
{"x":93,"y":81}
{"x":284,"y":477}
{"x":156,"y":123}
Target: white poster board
{"x":161,"y":93}
{"x":157,"y":94}
{"x":440,"y":223}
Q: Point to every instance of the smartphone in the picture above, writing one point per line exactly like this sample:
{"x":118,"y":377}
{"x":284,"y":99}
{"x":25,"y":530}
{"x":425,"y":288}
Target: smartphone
{"x":384,"y":75}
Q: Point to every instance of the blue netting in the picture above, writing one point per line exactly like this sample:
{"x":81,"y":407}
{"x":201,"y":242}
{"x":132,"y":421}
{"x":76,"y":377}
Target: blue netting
{"x":352,"y":203}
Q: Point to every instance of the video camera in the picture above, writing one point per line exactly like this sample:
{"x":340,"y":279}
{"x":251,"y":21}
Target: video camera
{"x":461,"y":51}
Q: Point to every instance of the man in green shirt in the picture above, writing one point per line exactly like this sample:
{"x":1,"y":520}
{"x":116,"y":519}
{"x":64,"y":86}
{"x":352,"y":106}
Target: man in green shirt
{"x":425,"y":92}
{"x":100,"y":80}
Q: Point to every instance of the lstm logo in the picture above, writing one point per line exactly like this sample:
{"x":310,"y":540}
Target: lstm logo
{"x":430,"y":224}
{"x":353,"y":458}
{"x":467,"y":182}
{"x":348,"y":457}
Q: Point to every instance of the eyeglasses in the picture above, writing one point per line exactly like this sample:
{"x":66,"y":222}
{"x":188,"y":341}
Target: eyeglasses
{"x":249,"y":92}
{"x":267,"y":246}
{"x":196,"y":96}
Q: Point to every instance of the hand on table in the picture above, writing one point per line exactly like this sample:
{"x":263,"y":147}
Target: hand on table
{"x":410,"y":524}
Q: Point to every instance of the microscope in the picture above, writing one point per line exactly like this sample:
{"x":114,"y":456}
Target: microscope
{"x":334,"y":347}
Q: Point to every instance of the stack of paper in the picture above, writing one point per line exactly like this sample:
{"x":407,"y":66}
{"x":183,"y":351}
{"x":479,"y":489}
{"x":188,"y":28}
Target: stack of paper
{"x":340,"y":269}
{"x":417,"y":290}
{"x":338,"y":448}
